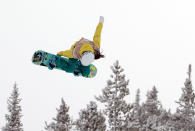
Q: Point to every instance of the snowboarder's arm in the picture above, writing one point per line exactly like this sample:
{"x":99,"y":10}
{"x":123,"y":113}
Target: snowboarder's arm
{"x":76,"y":73}
{"x":97,"y":35}
{"x":66,"y":53}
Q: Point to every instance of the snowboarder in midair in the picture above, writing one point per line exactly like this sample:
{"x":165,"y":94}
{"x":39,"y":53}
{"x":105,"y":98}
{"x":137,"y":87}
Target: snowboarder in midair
{"x":84,"y":50}
{"x":78,"y":60}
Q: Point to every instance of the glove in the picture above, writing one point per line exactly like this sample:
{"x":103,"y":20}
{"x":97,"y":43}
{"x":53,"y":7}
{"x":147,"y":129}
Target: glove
{"x":101,"y":20}
{"x":76,"y":73}
{"x":50,"y":67}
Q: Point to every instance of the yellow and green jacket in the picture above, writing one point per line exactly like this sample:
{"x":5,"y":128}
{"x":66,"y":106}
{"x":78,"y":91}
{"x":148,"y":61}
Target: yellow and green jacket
{"x":84,"y":45}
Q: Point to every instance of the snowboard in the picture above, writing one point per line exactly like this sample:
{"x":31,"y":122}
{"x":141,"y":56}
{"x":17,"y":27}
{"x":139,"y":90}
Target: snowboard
{"x":69,"y":65}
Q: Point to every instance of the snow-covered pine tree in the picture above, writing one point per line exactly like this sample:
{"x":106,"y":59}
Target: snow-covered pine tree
{"x":113,"y":96}
{"x":90,"y":119}
{"x":13,"y":119}
{"x":137,"y":101}
{"x":163,"y":122}
{"x":62,"y":122}
{"x":133,"y":122}
{"x":152,"y":105}
{"x":152,"y":109}
{"x":185,"y":113}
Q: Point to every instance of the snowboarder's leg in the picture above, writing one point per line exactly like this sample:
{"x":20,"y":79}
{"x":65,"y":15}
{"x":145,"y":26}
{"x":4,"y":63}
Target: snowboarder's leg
{"x":62,"y":63}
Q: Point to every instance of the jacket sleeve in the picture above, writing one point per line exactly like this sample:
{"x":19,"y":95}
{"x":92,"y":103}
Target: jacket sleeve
{"x":97,"y":35}
{"x":66,"y":53}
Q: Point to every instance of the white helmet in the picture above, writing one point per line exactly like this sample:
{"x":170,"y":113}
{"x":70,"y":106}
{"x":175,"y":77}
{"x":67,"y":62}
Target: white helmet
{"x":87,"y":58}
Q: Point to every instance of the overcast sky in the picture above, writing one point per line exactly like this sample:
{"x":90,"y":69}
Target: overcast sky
{"x":152,"y":39}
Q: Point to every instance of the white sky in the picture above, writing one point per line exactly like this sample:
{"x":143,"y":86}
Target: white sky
{"x":153,"y":40}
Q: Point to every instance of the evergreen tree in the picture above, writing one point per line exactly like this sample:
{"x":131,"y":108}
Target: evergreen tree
{"x":137,"y":100}
{"x":163,"y":122}
{"x":90,"y":119}
{"x":184,"y":115}
{"x":152,"y":105}
{"x":13,"y":119}
{"x":152,"y":109}
{"x":171,"y":123}
{"x":133,"y":122}
{"x":113,"y":96}
{"x":159,"y":123}
{"x":62,"y":122}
